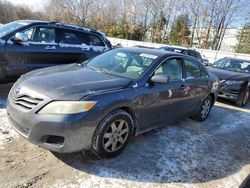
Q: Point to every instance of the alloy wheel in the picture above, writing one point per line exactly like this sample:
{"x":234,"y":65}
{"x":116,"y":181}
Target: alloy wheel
{"x":115,"y":136}
{"x":205,"y":108}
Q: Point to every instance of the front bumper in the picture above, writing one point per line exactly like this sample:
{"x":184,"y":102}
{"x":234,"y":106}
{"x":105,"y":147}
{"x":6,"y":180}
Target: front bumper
{"x":58,"y":133}
{"x":229,"y":93}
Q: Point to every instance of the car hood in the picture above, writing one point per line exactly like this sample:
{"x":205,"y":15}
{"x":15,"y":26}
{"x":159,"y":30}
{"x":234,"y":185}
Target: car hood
{"x":229,"y":75}
{"x":70,"y":82}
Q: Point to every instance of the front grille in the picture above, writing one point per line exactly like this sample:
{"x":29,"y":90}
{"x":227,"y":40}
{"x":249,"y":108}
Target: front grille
{"x":26,"y":101}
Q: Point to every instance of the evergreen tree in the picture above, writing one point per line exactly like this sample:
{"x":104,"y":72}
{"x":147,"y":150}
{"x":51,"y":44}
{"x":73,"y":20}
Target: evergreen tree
{"x":180,"y":32}
{"x":244,"y":40}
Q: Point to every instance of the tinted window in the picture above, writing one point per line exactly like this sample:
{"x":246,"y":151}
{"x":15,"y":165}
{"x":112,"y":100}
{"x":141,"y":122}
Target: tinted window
{"x":95,"y":40}
{"x":171,"y":68}
{"x":192,"y":68}
{"x":70,"y":37}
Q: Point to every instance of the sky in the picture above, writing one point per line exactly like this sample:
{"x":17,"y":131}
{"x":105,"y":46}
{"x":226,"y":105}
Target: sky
{"x":34,"y":4}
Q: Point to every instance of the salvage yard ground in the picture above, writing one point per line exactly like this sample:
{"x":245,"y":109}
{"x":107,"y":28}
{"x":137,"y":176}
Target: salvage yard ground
{"x":215,"y":153}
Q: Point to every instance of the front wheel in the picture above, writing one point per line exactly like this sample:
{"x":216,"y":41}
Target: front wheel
{"x":204,"y":109}
{"x":242,"y":101}
{"x":112,"y":134}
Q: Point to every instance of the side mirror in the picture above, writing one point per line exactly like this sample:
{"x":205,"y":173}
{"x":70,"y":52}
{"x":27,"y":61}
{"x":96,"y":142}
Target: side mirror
{"x":20,"y":37}
{"x":160,"y":78}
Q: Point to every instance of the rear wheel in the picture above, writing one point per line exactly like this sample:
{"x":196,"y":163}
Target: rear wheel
{"x":113,"y":134}
{"x":204,"y":109}
{"x":242,"y":101}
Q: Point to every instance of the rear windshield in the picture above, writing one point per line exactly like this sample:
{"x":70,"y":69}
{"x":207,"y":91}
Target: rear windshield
{"x":10,"y":27}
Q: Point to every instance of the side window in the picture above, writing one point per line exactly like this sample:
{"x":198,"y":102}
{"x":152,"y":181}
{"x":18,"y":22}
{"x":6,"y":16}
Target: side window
{"x":95,"y":40}
{"x":171,"y":68}
{"x":30,"y":33}
{"x":192,"y":68}
{"x":70,"y":37}
{"x":41,"y":35}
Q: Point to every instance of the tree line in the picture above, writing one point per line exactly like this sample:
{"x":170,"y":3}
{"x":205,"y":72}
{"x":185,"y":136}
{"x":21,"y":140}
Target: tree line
{"x":178,"y":22}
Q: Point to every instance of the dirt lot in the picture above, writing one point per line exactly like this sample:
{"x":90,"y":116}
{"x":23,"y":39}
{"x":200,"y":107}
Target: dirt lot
{"x":215,"y":153}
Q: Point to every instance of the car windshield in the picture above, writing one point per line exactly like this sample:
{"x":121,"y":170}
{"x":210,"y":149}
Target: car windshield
{"x":10,"y":27}
{"x":236,"y":65}
{"x":125,"y":64}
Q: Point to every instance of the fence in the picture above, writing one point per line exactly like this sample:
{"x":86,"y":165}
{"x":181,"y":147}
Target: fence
{"x":210,"y":55}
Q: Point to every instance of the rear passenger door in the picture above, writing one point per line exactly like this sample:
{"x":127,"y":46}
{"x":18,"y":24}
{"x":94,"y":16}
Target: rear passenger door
{"x":197,"y":80}
{"x":71,"y":46}
{"x":77,"y":46}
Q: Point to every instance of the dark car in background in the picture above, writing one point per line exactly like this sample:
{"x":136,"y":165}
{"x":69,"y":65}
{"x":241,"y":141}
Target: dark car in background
{"x":101,"y":103}
{"x":186,"y":51}
{"x":235,"y":79}
{"x":27,"y":45}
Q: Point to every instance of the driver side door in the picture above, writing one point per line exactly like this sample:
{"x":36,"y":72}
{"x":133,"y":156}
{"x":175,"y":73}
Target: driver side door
{"x":165,"y":103}
{"x":38,"y":52}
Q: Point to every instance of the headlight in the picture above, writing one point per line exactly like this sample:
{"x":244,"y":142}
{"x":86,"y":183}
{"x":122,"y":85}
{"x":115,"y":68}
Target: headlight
{"x":67,"y":107}
{"x":232,"y":82}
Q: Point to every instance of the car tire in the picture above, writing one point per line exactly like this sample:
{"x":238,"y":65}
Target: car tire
{"x":204,"y":109}
{"x":113,"y":134}
{"x":242,"y":101}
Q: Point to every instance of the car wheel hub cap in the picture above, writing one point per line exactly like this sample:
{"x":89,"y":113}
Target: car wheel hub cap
{"x":115,"y":135}
{"x":205,"y":108}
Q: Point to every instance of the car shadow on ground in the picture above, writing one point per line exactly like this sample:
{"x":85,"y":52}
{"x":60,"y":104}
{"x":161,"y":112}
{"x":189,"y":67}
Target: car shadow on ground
{"x":187,"y":152}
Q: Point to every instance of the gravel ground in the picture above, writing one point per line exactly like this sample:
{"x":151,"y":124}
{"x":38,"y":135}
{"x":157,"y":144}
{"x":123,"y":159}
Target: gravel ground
{"x":214,"y":153}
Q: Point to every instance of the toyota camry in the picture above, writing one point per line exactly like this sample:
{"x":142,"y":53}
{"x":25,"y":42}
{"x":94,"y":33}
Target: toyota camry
{"x":100,"y":104}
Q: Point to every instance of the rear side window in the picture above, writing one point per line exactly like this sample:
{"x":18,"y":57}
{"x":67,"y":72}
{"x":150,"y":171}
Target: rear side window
{"x":192,"y":68}
{"x":71,"y":38}
{"x":95,"y":40}
{"x":78,"y":38}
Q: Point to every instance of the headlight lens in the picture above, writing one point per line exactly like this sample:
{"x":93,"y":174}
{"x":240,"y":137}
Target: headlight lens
{"x":232,"y":82}
{"x":67,"y":107}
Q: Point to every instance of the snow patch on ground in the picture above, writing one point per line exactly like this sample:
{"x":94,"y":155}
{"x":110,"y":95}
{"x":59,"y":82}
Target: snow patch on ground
{"x":186,"y":154}
{"x":7,"y":134}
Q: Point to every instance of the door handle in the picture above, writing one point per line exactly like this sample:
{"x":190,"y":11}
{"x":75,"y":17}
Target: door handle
{"x":50,"y":48}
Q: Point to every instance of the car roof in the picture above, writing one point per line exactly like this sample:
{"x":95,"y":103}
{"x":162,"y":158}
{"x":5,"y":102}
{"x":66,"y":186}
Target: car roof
{"x":61,"y":25}
{"x":178,"y":48}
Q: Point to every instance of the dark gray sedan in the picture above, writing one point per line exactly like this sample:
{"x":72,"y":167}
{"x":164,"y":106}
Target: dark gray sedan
{"x":102,"y":103}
